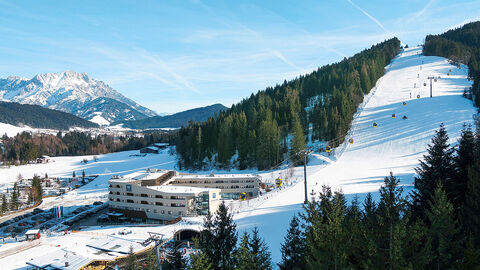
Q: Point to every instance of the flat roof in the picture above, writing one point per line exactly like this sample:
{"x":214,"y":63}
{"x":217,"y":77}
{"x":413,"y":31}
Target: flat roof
{"x":32,"y":231}
{"x":57,"y":260}
{"x":181,"y":189}
{"x":217,"y":176}
{"x":118,"y":245}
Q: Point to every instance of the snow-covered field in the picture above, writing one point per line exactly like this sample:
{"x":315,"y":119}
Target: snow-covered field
{"x":395,"y":145}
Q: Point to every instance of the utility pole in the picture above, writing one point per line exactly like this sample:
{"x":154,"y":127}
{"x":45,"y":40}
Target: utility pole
{"x":305,"y":154}
{"x":434,"y":79}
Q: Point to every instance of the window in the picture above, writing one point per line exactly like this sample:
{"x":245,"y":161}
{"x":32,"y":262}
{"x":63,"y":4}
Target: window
{"x":144,"y":202}
{"x":117,"y":186}
{"x":143,"y":195}
{"x":214,"y":195}
{"x":129,"y":194}
{"x":118,"y":200}
{"x":159,"y":196}
{"x":112,"y":199}
{"x":148,"y":210}
{"x":118,"y":193}
{"x":163,"y":211}
{"x":129,"y":201}
{"x":158,"y":203}
{"x":129,"y":187}
{"x":180,"y":213}
{"x":154,"y":210}
{"x":169,"y":212}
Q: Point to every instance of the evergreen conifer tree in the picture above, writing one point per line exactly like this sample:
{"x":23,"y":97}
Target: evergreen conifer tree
{"x":219,"y":238}
{"x":293,"y":248}
{"x":174,"y":260}
{"x":443,"y":231}
{"x":4,"y":203}
{"x":391,"y":227}
{"x":259,"y":252}
{"x":437,"y":167}
{"x":464,"y":160}
{"x":243,"y":255}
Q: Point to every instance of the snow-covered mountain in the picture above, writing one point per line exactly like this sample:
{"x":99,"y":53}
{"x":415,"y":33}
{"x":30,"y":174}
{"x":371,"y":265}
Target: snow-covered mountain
{"x":73,"y":92}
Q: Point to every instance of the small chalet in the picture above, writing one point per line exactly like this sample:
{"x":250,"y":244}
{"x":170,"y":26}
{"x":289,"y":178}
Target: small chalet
{"x":149,"y":150}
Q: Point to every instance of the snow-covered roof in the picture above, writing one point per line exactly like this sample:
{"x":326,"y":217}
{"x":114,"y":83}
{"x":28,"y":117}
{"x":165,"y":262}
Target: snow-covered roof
{"x":59,"y":260}
{"x":160,"y":144}
{"x":118,"y":245}
{"x":181,"y":189}
{"x":32,"y":232}
{"x":218,"y":176}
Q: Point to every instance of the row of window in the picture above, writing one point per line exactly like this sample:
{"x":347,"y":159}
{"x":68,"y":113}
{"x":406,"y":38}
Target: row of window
{"x":211,"y":181}
{"x":145,"y":202}
{"x":143,"y":195}
{"x":180,"y":213}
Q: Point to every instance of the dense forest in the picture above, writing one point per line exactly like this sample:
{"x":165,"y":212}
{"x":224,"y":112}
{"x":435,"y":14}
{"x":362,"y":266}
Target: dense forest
{"x":461,"y":45}
{"x":273,"y":124}
{"x":436,"y":226}
{"x":175,"y":120}
{"x":25,"y":147}
{"x":38,"y":117}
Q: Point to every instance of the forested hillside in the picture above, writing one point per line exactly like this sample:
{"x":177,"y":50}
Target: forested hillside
{"x":175,"y":120}
{"x":461,"y":45}
{"x":38,"y":117}
{"x":265,"y":128}
{"x":26,"y":147}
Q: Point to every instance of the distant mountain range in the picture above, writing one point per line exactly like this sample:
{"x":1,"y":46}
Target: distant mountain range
{"x":38,"y":117}
{"x":74,"y":93}
{"x":175,"y":120}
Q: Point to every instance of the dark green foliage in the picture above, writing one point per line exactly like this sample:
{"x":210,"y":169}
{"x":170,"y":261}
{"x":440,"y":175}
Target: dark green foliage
{"x":443,"y":234}
{"x":38,"y":117}
{"x":36,"y":189}
{"x":14,"y":198}
{"x":174,"y":259}
{"x":252,"y":253}
{"x":131,"y":263}
{"x":391,"y":227}
{"x":4,"y":203}
{"x":293,"y":248}
{"x":258,"y":126}
{"x":219,"y":238}
{"x":436,"y":168}
{"x":461,"y":45}
{"x":25,"y":147}
{"x":175,"y":120}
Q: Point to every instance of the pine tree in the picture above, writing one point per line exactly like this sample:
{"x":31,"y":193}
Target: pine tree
{"x":4,"y":203}
{"x":436,"y":168}
{"x":470,"y":211}
{"x":243,"y":255}
{"x":464,"y":159}
{"x":443,"y":231}
{"x":14,"y":203}
{"x":174,"y":260}
{"x":391,"y":226}
{"x":219,"y":238}
{"x":261,"y":257}
{"x":131,"y":263}
{"x":199,"y":261}
{"x":293,"y":248}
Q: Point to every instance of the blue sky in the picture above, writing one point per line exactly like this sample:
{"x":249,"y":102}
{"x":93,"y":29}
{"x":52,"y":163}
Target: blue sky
{"x":175,"y":55}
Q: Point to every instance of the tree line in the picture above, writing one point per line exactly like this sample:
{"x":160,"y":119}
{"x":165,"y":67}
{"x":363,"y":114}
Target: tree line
{"x":461,"y":45}
{"x":26,"y":147}
{"x":436,"y":226}
{"x":273,"y":124}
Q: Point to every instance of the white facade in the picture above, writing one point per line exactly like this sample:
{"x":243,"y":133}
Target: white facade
{"x":163,"y":202}
{"x":231,"y":185}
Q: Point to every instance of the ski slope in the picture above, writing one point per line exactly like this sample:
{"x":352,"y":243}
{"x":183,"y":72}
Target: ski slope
{"x":395,"y":145}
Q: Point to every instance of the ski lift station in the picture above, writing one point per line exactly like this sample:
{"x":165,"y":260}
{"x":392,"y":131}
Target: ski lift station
{"x":165,"y":195}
